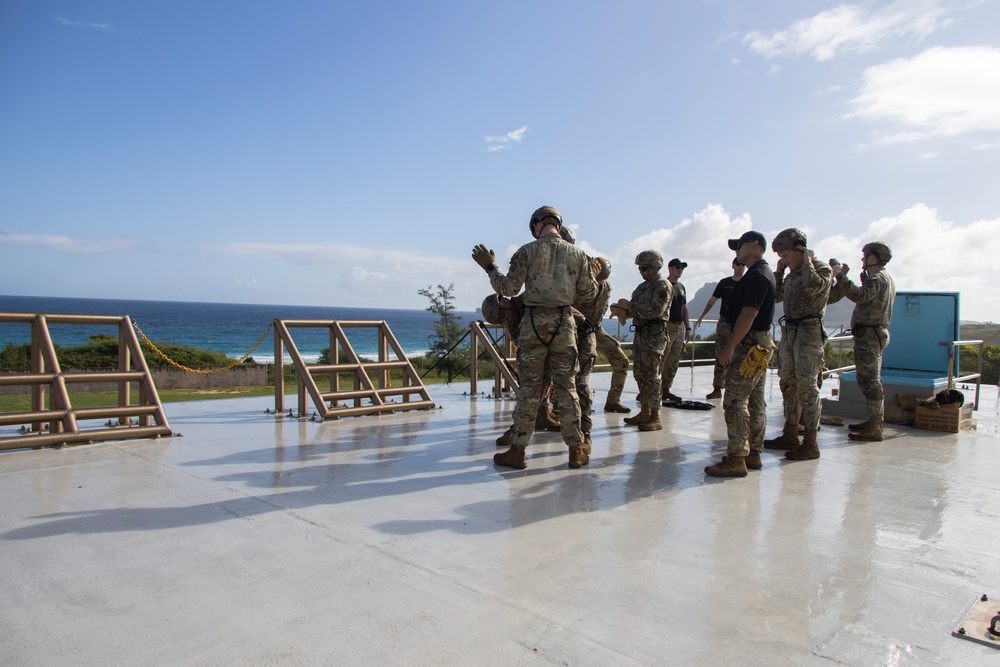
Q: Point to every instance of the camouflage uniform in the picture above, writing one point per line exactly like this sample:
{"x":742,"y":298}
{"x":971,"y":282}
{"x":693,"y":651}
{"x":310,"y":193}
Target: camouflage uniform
{"x":870,"y":325}
{"x":648,"y":308}
{"x":804,"y":294}
{"x":743,"y":401}
{"x":609,"y":346}
{"x":514,"y":332}
{"x":589,"y":315}
{"x":724,"y":292}
{"x":674,"y":350}
{"x":555,"y":275}
{"x":723,"y":331}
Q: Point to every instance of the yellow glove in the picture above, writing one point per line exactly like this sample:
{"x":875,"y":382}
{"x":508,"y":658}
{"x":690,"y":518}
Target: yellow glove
{"x":620,"y":313}
{"x":755,"y":362}
{"x":484,"y":258}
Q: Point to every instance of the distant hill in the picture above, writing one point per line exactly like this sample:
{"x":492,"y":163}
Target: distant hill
{"x":988,"y":332}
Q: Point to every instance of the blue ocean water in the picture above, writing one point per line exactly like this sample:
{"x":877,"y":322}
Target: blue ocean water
{"x":230,"y":328}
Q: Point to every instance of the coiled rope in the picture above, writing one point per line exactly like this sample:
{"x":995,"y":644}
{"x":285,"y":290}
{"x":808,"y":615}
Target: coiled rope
{"x":197,"y":370}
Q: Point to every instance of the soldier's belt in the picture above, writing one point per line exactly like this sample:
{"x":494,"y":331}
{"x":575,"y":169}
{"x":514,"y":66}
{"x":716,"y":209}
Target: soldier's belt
{"x":860,"y":329}
{"x":644,"y":324}
{"x":785,"y":321}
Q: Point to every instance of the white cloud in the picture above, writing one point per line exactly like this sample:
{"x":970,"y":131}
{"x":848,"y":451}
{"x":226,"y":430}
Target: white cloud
{"x":506,"y":141}
{"x":701,"y":241}
{"x":66,"y":244}
{"x":942,"y":92}
{"x":82,"y":24}
{"x":929,"y":252}
{"x":828,"y":90}
{"x":252,"y":284}
{"x":358,"y":274}
{"x":856,"y":29}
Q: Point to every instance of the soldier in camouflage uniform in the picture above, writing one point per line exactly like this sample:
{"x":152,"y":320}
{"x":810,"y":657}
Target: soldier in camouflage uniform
{"x":870,"y":326}
{"x":723,"y":293}
{"x":508,"y":312}
{"x":609,"y":346}
{"x":648,"y":309}
{"x":678,"y":329}
{"x":555,"y":275}
{"x":750,"y":318}
{"x":589,"y":314}
{"x":800,"y":351}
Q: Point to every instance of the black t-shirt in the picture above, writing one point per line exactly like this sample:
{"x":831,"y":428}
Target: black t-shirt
{"x":724,"y":292}
{"x":677,"y":304}
{"x":755,"y":289}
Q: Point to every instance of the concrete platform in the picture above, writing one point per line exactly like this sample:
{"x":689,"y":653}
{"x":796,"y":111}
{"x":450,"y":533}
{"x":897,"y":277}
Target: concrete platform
{"x":257,"y":540}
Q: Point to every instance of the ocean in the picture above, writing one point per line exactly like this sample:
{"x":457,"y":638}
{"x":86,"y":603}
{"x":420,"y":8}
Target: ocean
{"x":230,"y":328}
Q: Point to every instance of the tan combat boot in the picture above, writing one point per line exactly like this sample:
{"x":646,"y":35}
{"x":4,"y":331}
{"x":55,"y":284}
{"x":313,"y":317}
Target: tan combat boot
{"x":512,"y":458}
{"x":729,"y":466}
{"x":587,"y":442}
{"x":578,"y":457}
{"x":789,"y":439}
{"x":653,"y":423}
{"x":616,"y":407}
{"x":667,"y":395}
{"x":640,"y":418}
{"x":505,"y":439}
{"x":716,"y":393}
{"x":544,"y":420}
{"x":857,"y":428}
{"x":871,"y":433}
{"x":809,"y":449}
{"x":753,"y":461}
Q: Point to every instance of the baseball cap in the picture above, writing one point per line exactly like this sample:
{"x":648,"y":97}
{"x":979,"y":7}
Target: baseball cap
{"x":677,"y":262}
{"x":734,"y":244}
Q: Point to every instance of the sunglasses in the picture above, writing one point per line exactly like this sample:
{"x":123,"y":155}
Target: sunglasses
{"x":643,"y":267}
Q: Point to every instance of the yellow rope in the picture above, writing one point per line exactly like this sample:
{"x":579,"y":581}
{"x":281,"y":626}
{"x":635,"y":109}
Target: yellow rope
{"x":195,"y":370}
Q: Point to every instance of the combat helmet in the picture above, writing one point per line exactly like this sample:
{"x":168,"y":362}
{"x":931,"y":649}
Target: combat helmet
{"x":567,"y":235}
{"x":600,"y":267}
{"x":788,"y":239}
{"x":650,"y":258}
{"x":491,"y":309}
{"x":878,"y":249}
{"x":541,"y":214}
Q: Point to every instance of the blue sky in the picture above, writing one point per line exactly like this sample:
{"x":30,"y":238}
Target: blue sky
{"x":349,"y":154}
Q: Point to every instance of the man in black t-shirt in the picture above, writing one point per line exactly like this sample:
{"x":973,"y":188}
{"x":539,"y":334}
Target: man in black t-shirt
{"x":724,"y":292}
{"x":750,"y":317}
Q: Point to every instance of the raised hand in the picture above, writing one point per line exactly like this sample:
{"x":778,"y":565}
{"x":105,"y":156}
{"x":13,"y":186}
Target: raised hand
{"x":484,"y":258}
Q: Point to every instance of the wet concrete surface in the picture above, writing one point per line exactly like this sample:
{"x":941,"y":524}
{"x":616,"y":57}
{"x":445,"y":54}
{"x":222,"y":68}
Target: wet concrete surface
{"x":254,"y":539}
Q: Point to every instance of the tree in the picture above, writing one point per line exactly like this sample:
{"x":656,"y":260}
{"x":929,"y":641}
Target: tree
{"x":449,"y":351}
{"x":969,"y":362}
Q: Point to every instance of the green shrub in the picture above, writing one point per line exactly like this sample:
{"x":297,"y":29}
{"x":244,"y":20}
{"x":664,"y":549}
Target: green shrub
{"x":101,"y":353}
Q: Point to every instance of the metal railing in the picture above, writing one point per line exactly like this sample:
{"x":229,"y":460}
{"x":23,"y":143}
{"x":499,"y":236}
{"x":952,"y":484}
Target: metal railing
{"x":977,"y":376}
{"x":52,"y":418}
{"x":954,"y":345}
{"x":358,"y":371}
{"x":690,"y":345}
